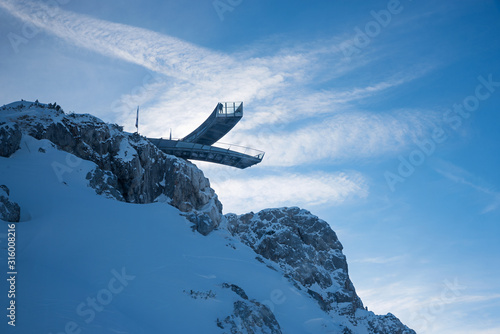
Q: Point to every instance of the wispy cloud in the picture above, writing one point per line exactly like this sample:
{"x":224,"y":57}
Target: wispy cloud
{"x":476,"y":330}
{"x":379,"y":260}
{"x":463,"y":177}
{"x":339,"y":137}
{"x":398,"y":295}
{"x":279,"y":88}
{"x":290,"y":189}
{"x":286,"y":114}
{"x":208,"y":70}
{"x":431,"y":308}
{"x":478,"y":298}
{"x":288,"y":106}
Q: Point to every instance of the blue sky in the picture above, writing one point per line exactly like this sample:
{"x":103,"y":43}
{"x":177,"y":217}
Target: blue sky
{"x":381,"y":117}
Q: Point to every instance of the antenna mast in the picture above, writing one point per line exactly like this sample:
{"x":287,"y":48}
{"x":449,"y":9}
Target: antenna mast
{"x":137,"y":120}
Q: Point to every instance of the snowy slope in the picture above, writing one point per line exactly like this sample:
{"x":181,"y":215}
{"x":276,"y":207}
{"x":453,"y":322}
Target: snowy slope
{"x":71,"y":239}
{"x":88,"y":263}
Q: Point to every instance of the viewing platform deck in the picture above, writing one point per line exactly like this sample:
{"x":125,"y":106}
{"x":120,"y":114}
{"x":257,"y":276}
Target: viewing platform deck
{"x":231,"y":155}
{"x":199,"y":144}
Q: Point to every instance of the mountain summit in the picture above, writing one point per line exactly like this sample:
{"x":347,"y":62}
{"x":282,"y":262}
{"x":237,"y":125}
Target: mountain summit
{"x":114,"y":236}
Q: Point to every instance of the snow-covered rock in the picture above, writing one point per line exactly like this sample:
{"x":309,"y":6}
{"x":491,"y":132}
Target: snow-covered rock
{"x":10,"y":137}
{"x":130,"y":167}
{"x":310,"y":255}
{"x":248,"y":315}
{"x":9,"y":210}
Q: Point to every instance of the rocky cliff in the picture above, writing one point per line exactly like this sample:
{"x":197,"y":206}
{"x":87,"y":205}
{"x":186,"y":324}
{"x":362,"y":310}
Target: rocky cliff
{"x":291,"y":241}
{"x":305,"y":248}
{"x":309,"y":254}
{"x":129,"y":167}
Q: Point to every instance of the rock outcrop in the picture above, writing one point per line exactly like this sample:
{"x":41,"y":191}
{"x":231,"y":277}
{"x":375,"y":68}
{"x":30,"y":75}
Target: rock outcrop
{"x":10,"y":138}
{"x":306,"y":249}
{"x":248,"y":316}
{"x":131,"y":169}
{"x":9,"y":210}
{"x":310,"y":255}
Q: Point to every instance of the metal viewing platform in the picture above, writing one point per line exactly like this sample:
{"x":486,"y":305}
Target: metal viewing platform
{"x":199,"y":144}
{"x":218,"y":124}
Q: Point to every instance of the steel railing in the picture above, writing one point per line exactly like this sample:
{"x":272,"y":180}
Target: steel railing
{"x":176,"y":144}
{"x":230,"y":108}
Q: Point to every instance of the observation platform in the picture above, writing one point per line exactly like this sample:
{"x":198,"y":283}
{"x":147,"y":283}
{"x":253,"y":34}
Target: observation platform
{"x":218,"y":124}
{"x":199,"y":144}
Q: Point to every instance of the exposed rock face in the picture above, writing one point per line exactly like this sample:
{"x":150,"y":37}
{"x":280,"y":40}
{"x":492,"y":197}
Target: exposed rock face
{"x":105,"y":183}
{"x":249,"y":316}
{"x":310,"y":255}
{"x":387,"y":324}
{"x":131,"y":168}
{"x":9,"y":210}
{"x":10,"y":137}
{"x":305,"y":247}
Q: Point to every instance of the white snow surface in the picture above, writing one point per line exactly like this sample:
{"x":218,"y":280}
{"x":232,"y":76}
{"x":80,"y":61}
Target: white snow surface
{"x":126,"y":152}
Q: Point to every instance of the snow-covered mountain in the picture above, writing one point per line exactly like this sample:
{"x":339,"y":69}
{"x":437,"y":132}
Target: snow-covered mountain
{"x":114,"y":236}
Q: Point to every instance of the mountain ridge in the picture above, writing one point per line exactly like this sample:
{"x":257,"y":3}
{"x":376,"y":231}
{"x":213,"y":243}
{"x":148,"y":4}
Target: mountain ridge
{"x":121,"y":166}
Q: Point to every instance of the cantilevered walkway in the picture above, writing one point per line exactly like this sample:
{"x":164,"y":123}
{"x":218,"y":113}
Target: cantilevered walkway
{"x":218,"y":124}
{"x":199,"y":144}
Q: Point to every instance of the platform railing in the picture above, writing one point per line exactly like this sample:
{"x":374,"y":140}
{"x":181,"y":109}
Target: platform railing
{"x":230,"y":109}
{"x":176,"y":143}
{"x":241,"y":149}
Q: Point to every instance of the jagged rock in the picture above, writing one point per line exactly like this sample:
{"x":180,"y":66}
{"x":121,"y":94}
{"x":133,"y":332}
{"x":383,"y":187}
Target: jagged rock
{"x":201,"y":294}
{"x":310,"y":255}
{"x":10,"y":138}
{"x":201,"y":222}
{"x":253,"y":317}
{"x":105,"y":183}
{"x":236,"y":289}
{"x":388,"y":324}
{"x":249,"y":316}
{"x":305,"y":247}
{"x":142,"y":173}
{"x":9,"y":211}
